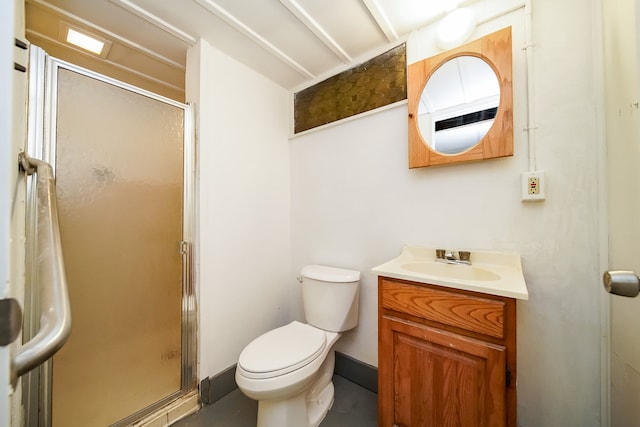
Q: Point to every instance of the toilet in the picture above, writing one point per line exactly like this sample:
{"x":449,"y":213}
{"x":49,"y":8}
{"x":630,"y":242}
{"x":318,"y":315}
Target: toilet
{"x":289,"y":370}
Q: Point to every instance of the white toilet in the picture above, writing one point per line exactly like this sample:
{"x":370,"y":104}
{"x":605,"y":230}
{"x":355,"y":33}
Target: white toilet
{"x":288,"y":370}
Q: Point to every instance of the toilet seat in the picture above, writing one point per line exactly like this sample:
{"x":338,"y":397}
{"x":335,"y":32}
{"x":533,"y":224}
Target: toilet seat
{"x":282,"y":350}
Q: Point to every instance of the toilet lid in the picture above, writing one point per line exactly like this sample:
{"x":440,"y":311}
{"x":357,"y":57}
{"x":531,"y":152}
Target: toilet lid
{"x":282,"y":350}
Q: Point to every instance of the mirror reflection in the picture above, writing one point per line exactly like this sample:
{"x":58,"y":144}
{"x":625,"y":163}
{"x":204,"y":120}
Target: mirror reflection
{"x":458,"y":104}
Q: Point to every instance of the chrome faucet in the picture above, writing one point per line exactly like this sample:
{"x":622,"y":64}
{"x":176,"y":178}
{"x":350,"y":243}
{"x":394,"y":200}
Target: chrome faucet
{"x":449,"y":257}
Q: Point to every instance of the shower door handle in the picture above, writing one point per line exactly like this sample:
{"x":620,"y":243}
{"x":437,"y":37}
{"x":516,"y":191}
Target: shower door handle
{"x":55,"y":309}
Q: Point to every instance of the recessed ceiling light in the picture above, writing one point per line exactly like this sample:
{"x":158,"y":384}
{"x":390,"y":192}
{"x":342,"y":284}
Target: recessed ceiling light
{"x":84,"y":41}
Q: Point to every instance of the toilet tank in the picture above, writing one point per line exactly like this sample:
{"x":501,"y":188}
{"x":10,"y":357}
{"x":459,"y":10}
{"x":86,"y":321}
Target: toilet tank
{"x":330,"y":296}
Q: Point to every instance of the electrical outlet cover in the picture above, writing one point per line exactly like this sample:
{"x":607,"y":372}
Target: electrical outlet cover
{"x":533,"y":186}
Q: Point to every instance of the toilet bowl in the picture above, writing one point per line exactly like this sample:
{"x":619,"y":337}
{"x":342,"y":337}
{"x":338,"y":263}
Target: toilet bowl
{"x":289,"y":370}
{"x":274,"y":384}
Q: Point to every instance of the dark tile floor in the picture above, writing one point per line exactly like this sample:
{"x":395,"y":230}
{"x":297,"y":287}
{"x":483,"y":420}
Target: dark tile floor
{"x":354,"y":406}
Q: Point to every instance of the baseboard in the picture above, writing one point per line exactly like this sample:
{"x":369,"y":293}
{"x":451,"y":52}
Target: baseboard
{"x":357,"y":372}
{"x":214,"y":389}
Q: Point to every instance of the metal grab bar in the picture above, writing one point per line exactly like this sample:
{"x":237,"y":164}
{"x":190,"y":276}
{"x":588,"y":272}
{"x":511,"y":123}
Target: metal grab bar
{"x":55,"y":310}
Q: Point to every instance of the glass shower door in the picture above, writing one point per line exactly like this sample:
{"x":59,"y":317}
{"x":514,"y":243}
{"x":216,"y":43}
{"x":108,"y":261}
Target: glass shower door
{"x":119,"y":159}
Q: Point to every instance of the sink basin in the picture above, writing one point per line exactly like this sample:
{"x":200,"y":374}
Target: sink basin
{"x":453,"y":271}
{"x":490,"y":272}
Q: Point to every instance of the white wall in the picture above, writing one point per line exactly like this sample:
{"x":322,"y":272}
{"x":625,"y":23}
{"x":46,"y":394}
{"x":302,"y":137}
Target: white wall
{"x":244,"y":254}
{"x":355,"y":204}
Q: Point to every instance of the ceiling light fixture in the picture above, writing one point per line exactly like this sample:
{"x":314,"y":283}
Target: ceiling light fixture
{"x":455,"y":28}
{"x":84,"y":41}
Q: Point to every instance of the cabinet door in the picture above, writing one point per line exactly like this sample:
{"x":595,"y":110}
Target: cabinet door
{"x":434,"y":378}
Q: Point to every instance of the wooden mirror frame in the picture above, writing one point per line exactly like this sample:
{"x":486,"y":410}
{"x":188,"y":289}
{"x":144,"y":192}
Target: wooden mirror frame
{"x":495,"y":50}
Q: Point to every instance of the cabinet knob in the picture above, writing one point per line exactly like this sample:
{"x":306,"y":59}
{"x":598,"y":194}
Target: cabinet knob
{"x":620,"y":282}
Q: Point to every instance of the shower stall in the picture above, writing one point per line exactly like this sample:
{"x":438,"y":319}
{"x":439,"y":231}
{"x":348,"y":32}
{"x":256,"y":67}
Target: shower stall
{"x":124,"y":166}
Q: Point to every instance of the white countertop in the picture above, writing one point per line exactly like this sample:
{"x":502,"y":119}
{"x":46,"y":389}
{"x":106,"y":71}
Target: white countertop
{"x":495,"y":273}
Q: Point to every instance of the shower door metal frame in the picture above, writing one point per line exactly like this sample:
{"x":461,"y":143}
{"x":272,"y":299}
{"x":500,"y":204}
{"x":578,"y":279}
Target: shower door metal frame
{"x":41,"y":144}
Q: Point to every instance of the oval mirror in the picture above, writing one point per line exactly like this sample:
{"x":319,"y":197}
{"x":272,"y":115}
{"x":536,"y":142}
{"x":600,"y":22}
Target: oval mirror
{"x":458,"y":105}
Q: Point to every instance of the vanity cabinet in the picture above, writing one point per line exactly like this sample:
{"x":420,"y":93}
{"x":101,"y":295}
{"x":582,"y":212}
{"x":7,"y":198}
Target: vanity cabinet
{"x":447,"y":357}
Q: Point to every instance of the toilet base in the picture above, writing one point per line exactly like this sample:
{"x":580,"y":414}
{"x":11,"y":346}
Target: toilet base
{"x":318,"y":408}
{"x":297,"y":411}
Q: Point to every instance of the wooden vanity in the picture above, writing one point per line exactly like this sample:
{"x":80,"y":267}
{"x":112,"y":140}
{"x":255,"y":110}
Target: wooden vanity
{"x":446,"y":357}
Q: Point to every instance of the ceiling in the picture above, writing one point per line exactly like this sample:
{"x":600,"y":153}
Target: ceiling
{"x":293,"y":42}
